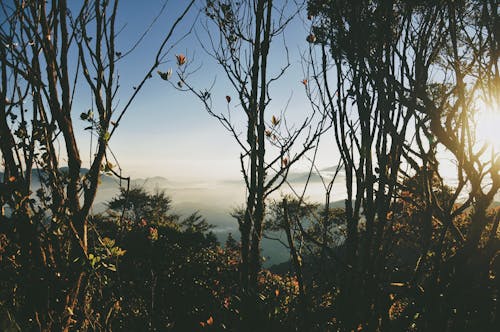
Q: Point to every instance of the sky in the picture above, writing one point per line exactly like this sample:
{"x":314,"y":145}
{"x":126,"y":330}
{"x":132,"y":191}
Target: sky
{"x":168,"y":132}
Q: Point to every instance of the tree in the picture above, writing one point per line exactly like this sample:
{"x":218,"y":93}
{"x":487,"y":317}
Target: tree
{"x":391,"y":117}
{"x":360,"y":49}
{"x":171,"y":274}
{"x":468,"y":59}
{"x":241,"y":46}
{"x":50,"y":53}
{"x":137,"y":205}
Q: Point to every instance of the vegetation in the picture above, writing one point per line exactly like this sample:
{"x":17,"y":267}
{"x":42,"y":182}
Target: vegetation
{"x":399,"y":83}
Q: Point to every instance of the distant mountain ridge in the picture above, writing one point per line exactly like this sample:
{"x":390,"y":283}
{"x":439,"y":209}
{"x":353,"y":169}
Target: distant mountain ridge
{"x":214,"y":200}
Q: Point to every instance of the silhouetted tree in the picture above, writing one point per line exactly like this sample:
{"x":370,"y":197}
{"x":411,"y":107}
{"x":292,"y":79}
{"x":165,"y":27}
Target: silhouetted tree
{"x":52,"y":51}
{"x":373,"y":69}
{"x":241,"y":46}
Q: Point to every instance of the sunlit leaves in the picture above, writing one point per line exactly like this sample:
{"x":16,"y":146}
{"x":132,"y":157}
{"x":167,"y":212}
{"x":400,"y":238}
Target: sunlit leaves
{"x":106,"y":136}
{"x":153,"y":234}
{"x":106,"y":254}
{"x":107,"y":167}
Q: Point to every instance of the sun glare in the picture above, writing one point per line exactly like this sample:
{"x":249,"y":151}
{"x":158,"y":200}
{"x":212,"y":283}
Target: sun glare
{"x":488,"y":125}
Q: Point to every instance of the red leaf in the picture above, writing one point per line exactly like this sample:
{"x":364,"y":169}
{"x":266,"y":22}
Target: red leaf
{"x":181,"y":59}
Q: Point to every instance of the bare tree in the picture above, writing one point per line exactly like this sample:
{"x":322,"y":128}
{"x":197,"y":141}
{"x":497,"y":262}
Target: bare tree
{"x":241,"y":46}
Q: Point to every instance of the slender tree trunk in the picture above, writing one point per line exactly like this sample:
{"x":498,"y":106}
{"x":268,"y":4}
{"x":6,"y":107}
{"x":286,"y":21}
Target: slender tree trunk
{"x":297,"y":263}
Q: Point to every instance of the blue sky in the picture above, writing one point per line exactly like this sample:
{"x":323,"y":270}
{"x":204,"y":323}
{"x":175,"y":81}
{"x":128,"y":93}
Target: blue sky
{"x":167,"y":132}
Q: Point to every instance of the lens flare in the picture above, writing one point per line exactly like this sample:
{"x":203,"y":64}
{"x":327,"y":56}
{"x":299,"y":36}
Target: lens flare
{"x":487,"y":120}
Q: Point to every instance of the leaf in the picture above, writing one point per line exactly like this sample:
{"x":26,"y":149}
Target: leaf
{"x":205,"y":95}
{"x":228,"y":98}
{"x":284,"y":162}
{"x":274,"y":120}
{"x":181,"y":59}
{"x":210,"y":320}
{"x":108,"y":166}
{"x":165,"y":76}
{"x":304,"y":81}
{"x":311,"y":38}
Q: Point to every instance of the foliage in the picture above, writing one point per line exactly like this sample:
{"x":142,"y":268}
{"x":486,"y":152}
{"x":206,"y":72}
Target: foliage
{"x":138,"y":205}
{"x":406,"y":252}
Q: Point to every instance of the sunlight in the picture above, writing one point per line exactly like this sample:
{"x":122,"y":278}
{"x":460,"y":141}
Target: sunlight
{"x":487,"y":121}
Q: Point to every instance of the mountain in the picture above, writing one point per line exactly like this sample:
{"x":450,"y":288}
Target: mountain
{"x":215,"y":200}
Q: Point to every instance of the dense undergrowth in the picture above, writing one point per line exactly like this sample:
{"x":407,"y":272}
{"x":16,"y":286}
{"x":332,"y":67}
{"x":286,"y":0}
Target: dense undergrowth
{"x":148,"y":269}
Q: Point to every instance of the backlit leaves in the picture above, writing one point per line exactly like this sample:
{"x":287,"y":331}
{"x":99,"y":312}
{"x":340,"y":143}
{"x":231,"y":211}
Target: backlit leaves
{"x":275,"y":120}
{"x":210,"y":321}
{"x":165,"y":75}
{"x":311,"y":38}
{"x":181,"y":59}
